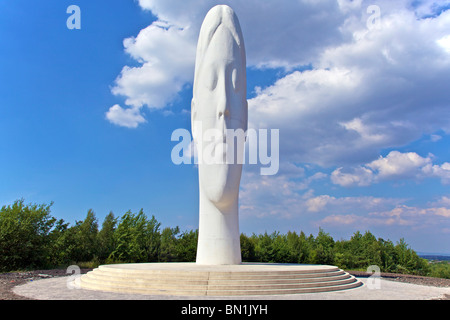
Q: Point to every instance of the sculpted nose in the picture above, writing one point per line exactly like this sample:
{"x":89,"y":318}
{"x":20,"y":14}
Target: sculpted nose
{"x":223,"y":108}
{"x":223,"y":114}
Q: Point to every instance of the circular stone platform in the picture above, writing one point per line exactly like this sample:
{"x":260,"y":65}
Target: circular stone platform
{"x":221,"y":280}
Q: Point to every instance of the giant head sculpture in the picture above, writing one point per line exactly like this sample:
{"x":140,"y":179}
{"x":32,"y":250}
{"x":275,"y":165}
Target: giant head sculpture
{"x":219,"y":108}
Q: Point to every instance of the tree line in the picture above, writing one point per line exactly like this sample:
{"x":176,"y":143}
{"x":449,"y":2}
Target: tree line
{"x":31,"y":238}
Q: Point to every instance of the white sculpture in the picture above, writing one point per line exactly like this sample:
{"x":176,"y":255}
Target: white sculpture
{"x":219,"y":105}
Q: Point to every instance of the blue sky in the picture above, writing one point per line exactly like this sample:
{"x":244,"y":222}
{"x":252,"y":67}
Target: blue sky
{"x":86,"y":116}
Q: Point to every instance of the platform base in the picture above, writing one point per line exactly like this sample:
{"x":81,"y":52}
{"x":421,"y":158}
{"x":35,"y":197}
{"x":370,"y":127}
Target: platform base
{"x":228,"y":280}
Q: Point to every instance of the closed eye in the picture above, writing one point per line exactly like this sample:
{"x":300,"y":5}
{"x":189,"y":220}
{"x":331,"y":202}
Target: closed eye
{"x":211,"y":81}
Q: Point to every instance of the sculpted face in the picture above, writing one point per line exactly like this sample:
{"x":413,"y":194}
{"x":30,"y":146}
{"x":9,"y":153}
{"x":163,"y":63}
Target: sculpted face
{"x":219,"y":104}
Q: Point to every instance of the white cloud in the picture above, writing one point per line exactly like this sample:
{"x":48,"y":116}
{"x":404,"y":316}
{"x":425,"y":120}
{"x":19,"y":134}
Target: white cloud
{"x":412,"y":215}
{"x":178,"y":12}
{"x":382,"y":88}
{"x":425,"y":9}
{"x":401,"y":215}
{"x":439,"y":171}
{"x":395,"y":166}
{"x":166,"y":53}
{"x":399,"y":165}
{"x":435,"y":137}
{"x":444,"y":42}
{"x":258,"y":199}
{"x":328,"y":204}
{"x":343,"y":219}
{"x":359,"y":176}
{"x":317,"y":204}
{"x":442,"y":202}
{"x":368,"y":90}
{"x":367,"y":134}
{"x":347,"y":5}
{"x":275,"y":35}
{"x":129,"y":117}
{"x":287,"y":198}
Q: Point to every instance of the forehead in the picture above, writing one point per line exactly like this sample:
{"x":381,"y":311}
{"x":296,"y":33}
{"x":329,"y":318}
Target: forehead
{"x":223,"y":46}
{"x":221,"y":51}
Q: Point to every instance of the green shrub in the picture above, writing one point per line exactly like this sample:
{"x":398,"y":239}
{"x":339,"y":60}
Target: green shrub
{"x":31,"y":238}
{"x":24,"y":235}
{"x":137,"y":238}
{"x":440,"y":270}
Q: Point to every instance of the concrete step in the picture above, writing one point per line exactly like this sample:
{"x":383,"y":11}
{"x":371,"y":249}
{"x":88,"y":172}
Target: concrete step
{"x":149,"y":279}
{"x":216,"y":275}
{"x":223,"y":285}
{"x":191,"y":269}
{"x":222,"y":292}
{"x":192,"y":279}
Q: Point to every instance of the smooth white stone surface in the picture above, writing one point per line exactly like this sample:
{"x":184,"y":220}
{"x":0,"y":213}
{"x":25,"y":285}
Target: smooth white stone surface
{"x":218,"y":105}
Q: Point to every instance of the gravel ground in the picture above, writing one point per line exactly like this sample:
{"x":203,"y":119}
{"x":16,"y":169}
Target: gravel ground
{"x":425,"y":281}
{"x":9,"y":280}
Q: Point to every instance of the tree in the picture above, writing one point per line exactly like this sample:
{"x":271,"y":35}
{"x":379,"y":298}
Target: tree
{"x":187,"y":246}
{"x":371,"y":249}
{"x":106,"y":239}
{"x":137,"y":238}
{"x":294,"y":246}
{"x":303,"y":248}
{"x":153,"y":238}
{"x":87,"y":237}
{"x":25,"y":235}
{"x":247,"y":248}
{"x":324,"y":245}
{"x":168,"y":250}
{"x":408,"y":261}
{"x":281,"y":252}
{"x":440,"y":269}
{"x":355,"y":250}
{"x":388,"y":256}
{"x":264,"y":250}
{"x":31,"y":238}
{"x":61,"y":244}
